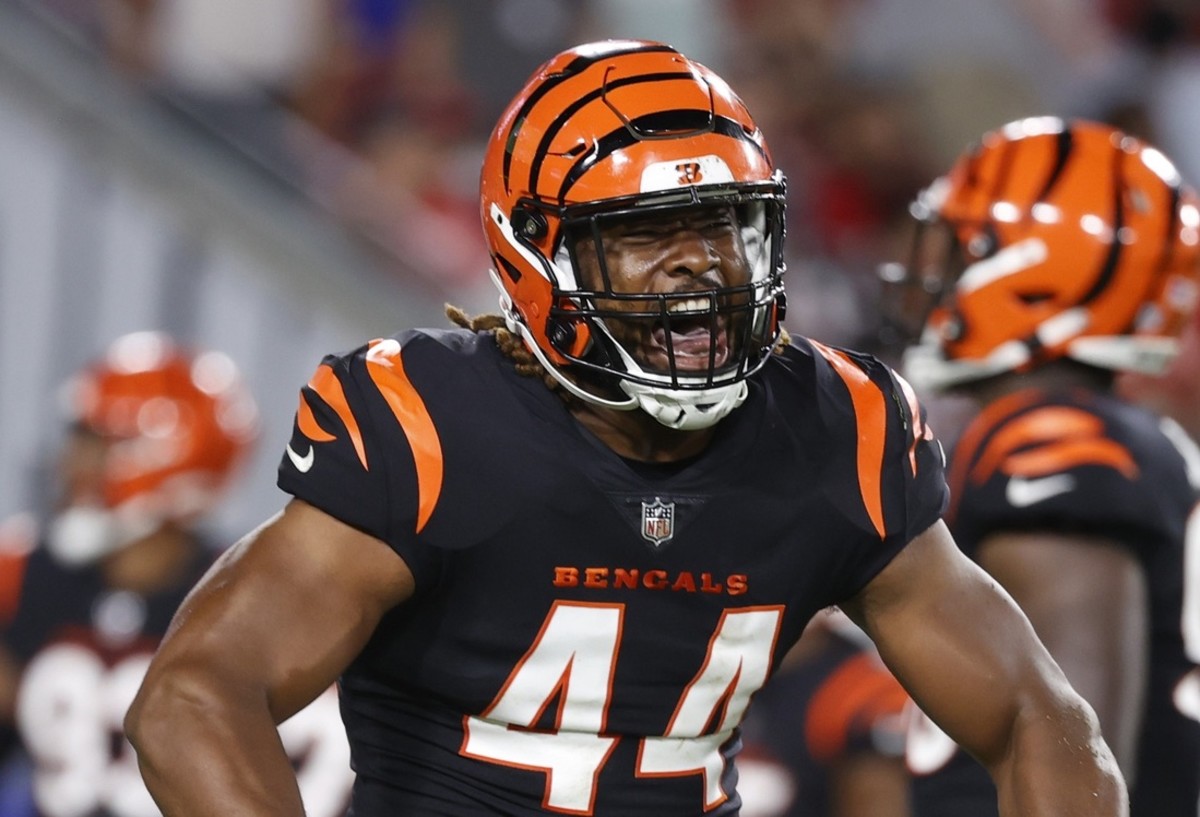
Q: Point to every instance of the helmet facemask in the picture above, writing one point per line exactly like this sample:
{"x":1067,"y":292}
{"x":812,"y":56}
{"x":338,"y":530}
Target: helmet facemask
{"x":921,"y":308}
{"x":682,"y":355}
{"x":629,"y":129}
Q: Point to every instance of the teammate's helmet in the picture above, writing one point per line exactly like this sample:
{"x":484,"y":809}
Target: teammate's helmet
{"x":1050,"y":239}
{"x":607,"y":131}
{"x":176,"y":423}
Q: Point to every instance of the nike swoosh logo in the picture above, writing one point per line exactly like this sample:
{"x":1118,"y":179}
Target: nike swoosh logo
{"x":303,"y":464}
{"x":1021,"y":492}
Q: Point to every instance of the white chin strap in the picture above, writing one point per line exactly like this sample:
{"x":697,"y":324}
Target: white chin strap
{"x":687,"y":410}
{"x":682,"y":410}
{"x":925,"y":367}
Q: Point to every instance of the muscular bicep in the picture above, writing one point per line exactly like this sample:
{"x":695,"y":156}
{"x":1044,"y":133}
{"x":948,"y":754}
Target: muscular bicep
{"x":958,"y":643}
{"x":1087,"y":600}
{"x":286,"y":609}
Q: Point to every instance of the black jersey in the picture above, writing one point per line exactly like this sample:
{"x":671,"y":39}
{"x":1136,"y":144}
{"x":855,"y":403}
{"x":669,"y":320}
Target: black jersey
{"x":1085,"y":463}
{"x":84,"y":648}
{"x":586,"y":633}
{"x":834,"y":702}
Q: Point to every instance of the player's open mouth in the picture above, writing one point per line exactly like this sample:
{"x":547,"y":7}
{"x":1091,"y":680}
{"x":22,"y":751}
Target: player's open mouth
{"x":693,"y":338}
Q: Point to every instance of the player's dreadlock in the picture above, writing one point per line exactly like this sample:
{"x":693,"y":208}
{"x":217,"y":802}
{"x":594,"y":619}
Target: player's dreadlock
{"x":511,"y":345}
{"x":515,"y":350}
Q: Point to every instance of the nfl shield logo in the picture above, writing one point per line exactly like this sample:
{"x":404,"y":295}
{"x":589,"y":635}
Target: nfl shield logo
{"x":658,"y":521}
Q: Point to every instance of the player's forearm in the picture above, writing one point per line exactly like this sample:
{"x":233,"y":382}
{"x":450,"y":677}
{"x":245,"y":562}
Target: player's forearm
{"x":1059,"y":766}
{"x":201,"y":752}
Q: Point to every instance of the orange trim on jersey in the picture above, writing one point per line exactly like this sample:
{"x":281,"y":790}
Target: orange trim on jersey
{"x":871,"y":421}
{"x":973,"y":437}
{"x":1060,"y":456}
{"x":326,"y":384}
{"x":308,"y":424}
{"x":1064,"y":437}
{"x":854,"y":696}
{"x":387,"y":371}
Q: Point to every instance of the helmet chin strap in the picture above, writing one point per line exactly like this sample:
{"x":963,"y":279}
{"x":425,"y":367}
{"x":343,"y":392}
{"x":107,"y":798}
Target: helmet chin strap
{"x":582,"y":394}
{"x":687,"y":411}
{"x":679,"y":410}
{"x":517,"y":326}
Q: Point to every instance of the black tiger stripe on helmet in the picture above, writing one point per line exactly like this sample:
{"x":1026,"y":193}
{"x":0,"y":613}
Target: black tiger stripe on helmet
{"x":616,"y":130}
{"x":1062,"y":239}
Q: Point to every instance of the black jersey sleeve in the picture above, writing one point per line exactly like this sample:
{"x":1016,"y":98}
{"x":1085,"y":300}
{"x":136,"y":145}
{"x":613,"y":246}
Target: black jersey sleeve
{"x":922,"y":462}
{"x":1072,"y":467}
{"x":364,"y":449}
{"x":325,"y":463}
{"x":897,"y":467}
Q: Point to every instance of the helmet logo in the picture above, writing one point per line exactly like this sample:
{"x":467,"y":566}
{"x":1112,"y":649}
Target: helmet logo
{"x":658,"y":521}
{"x":689,"y":173}
{"x":684,"y":172}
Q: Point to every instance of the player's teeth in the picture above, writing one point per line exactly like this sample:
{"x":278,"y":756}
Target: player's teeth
{"x":689,"y":305}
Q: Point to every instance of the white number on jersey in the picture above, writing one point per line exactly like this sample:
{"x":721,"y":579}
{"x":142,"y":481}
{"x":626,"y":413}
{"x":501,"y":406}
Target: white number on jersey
{"x":574,"y":659}
{"x":71,"y":705}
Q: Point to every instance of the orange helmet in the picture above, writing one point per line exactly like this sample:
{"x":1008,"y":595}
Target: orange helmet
{"x":611,"y":130}
{"x":1051,"y":239}
{"x":176,"y":424}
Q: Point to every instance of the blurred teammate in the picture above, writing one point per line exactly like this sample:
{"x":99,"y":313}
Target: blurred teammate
{"x":1175,"y":394}
{"x":156,"y":434}
{"x":563,"y":599}
{"x":826,"y":737}
{"x":1059,"y":254}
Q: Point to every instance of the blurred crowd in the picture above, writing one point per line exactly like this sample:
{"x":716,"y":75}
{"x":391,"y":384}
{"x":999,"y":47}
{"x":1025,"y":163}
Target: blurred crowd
{"x":378,"y":109}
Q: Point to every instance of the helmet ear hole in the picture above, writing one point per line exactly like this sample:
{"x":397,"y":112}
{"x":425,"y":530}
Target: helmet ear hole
{"x":570,"y":337}
{"x":529,"y":224}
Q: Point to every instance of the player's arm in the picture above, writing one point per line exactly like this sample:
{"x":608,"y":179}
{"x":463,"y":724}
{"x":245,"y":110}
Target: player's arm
{"x":270,"y":627}
{"x":970,"y":659}
{"x":1087,"y":600}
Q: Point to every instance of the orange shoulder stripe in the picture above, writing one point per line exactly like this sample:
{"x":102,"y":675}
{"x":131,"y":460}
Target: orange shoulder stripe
{"x":326,"y":384}
{"x":387,"y":371}
{"x":1057,"y":437}
{"x":1060,"y":456}
{"x":973,"y":437}
{"x":855,"y":695}
{"x":871,"y":421}
{"x":308,"y":424}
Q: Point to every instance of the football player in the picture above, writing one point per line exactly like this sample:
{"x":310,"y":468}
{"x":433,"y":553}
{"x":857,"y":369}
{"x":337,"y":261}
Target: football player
{"x":551,"y":556}
{"x":156,"y":433}
{"x":1057,"y":254}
